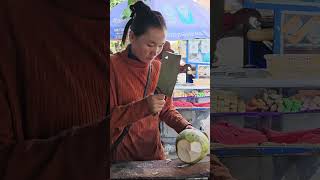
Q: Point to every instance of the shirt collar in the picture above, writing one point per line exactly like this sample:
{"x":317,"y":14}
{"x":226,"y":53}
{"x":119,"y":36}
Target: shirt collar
{"x":131,"y":55}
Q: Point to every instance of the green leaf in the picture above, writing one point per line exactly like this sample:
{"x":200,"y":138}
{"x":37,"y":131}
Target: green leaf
{"x":126,"y":13}
{"x":113,"y":3}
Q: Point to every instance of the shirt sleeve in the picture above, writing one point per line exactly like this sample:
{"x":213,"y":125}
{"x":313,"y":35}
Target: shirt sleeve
{"x":172,"y":117}
{"x":6,"y":132}
{"x":123,"y":115}
{"x":77,"y":153}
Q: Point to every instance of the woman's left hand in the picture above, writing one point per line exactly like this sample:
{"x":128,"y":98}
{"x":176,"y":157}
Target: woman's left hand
{"x":190,"y":127}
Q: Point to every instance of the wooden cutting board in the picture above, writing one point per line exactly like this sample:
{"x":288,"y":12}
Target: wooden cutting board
{"x":160,"y":169}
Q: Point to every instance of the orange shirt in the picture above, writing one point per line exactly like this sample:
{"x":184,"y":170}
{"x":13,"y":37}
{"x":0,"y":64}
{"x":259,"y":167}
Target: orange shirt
{"x":127,"y":82}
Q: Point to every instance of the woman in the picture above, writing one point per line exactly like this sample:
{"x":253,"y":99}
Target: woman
{"x":135,"y":110}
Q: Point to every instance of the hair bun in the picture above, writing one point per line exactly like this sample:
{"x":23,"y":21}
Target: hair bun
{"x":139,"y":8}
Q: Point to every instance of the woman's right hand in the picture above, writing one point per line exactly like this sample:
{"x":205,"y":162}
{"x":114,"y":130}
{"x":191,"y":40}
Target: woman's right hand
{"x":155,"y":102}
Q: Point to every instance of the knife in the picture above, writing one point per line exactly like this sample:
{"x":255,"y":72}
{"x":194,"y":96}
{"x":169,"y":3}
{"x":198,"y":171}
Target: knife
{"x":170,"y":66}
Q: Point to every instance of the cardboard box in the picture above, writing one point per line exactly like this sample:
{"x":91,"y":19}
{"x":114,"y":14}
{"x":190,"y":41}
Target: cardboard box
{"x":293,"y":66}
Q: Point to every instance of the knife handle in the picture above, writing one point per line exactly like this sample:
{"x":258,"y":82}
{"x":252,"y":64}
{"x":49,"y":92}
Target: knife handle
{"x":165,"y":98}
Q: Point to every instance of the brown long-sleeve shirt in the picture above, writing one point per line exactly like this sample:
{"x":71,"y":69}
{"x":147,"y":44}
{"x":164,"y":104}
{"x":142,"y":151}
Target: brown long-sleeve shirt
{"x":53,"y":89}
{"x":128,"y":78}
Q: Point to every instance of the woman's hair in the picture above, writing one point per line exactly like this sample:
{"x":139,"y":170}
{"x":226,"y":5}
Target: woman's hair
{"x":142,"y":18}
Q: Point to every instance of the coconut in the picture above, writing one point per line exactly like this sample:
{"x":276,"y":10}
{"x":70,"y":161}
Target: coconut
{"x":192,"y":146}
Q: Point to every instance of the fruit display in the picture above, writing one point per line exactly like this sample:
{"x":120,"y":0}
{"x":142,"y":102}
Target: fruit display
{"x":310,"y":99}
{"x":193,"y":93}
{"x":272,"y":101}
{"x":226,"y":101}
{"x":267,"y":101}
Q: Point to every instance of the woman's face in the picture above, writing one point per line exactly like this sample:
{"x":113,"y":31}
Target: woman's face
{"x":149,"y":45}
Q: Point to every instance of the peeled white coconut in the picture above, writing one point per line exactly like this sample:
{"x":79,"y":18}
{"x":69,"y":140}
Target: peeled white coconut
{"x":192,"y":146}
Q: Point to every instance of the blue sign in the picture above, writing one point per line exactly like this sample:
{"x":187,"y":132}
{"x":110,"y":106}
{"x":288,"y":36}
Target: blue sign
{"x":185,"y":19}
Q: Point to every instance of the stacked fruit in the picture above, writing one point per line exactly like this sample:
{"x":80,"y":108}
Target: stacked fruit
{"x":271,"y":101}
{"x":267,"y":101}
{"x":226,"y":101}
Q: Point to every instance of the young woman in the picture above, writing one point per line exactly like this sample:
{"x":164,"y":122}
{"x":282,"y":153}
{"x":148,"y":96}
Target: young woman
{"x":135,"y":110}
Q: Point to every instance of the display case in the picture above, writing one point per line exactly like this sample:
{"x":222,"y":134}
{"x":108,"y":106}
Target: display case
{"x":265,"y":155}
{"x":247,"y":125}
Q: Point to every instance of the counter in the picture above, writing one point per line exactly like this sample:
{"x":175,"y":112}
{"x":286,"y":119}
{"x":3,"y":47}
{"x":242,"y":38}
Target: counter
{"x":160,"y":169}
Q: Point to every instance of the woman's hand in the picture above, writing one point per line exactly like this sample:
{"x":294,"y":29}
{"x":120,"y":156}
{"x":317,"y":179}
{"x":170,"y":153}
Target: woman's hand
{"x":190,"y":127}
{"x":156,"y":103}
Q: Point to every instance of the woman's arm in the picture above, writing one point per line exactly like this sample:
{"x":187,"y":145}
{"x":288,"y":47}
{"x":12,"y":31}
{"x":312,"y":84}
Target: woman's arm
{"x":77,"y":153}
{"x":173,"y":118}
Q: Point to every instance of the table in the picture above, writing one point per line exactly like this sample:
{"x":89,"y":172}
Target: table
{"x":160,"y":169}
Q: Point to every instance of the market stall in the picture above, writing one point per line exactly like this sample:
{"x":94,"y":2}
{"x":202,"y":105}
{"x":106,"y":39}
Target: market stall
{"x":188,"y":33}
{"x":264,"y":108}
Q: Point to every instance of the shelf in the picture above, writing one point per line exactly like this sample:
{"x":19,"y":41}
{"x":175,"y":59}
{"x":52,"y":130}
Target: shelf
{"x":263,"y":150}
{"x":199,"y":63}
{"x":260,"y":113}
{"x":191,"y":87}
{"x":191,"y":97}
{"x":193,"y":108}
{"x":303,"y":45}
{"x":229,"y":82}
{"x":276,"y":5}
